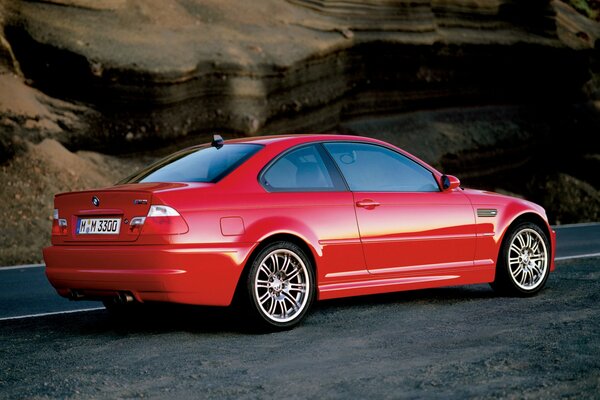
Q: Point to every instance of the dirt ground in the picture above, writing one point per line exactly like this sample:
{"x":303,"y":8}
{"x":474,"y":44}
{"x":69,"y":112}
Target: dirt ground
{"x":29,"y":183}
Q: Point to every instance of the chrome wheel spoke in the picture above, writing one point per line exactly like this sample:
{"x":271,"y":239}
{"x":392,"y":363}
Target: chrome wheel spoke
{"x":286,"y":263}
{"x":527,"y":259}
{"x":272,"y":306}
{"x":262,"y":284}
{"x":518,"y":270}
{"x":523,"y":277}
{"x":513,"y":260}
{"x":275,"y":262}
{"x":299,"y":287}
{"x":264,"y":268}
{"x":291,"y":299}
{"x":266,"y":296}
{"x":521,"y":242}
{"x":528,"y":240}
{"x":294,"y":274}
{"x":284,"y":307}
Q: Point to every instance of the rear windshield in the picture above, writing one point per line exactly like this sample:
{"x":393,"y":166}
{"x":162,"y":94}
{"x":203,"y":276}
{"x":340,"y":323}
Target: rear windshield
{"x":204,"y":164}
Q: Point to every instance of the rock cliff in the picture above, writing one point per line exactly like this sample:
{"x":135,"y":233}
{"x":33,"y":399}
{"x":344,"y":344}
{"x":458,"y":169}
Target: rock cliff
{"x":151,"y":70}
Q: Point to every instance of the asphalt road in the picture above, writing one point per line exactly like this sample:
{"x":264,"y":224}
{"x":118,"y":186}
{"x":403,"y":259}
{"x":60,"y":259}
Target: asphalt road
{"x":25,"y":291}
{"x":458,"y":342}
{"x":579,"y":239}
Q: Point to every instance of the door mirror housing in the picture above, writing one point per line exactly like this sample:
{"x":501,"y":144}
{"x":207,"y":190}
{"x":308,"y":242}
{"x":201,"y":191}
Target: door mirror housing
{"x":449,"y":182}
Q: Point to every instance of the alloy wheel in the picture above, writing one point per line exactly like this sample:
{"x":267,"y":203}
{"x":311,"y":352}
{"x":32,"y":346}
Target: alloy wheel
{"x":527,"y":259}
{"x":281,"y":285}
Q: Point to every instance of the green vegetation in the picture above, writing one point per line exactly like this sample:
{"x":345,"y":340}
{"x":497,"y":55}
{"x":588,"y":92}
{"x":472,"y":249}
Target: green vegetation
{"x":589,"y":8}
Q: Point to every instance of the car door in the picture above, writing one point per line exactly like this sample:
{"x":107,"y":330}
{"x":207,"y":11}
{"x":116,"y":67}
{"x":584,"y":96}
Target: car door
{"x":305,"y":191}
{"x":407,"y":225}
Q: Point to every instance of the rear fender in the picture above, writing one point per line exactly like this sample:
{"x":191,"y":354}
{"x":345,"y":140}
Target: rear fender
{"x":256,"y":233}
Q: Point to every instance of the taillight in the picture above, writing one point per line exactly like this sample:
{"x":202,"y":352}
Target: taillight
{"x":162,"y":211}
{"x":161,"y":220}
{"x":59,"y":225}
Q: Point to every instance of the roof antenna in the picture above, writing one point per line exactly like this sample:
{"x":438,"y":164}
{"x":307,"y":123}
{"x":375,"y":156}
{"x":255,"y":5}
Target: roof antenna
{"x":217,"y":141}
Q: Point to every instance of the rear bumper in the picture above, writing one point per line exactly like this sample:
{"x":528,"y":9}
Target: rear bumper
{"x":203,"y":275}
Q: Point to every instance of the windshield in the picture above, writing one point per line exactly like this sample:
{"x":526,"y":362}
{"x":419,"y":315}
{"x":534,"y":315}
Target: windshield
{"x":199,"y":164}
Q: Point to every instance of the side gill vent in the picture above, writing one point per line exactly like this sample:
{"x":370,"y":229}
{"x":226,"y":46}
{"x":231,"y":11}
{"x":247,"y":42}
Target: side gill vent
{"x":487,"y":212}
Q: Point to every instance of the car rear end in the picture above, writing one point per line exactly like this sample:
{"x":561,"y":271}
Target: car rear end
{"x":132,"y":241}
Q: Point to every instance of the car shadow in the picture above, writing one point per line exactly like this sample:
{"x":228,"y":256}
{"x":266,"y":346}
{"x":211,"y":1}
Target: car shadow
{"x":166,"y":318}
{"x":446,"y":295}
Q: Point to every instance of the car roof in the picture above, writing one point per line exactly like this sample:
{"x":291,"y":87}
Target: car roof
{"x":298,"y":138}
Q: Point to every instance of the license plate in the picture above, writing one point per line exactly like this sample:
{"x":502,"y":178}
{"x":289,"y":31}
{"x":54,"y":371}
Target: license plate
{"x":98,"y":226}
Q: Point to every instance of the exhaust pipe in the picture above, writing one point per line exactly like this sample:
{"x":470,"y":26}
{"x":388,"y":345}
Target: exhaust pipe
{"x":124,"y":298}
{"x":75,"y":295}
{"x":118,"y":298}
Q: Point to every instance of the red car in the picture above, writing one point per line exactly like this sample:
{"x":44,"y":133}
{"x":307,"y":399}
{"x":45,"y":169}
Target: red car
{"x":281,"y":221}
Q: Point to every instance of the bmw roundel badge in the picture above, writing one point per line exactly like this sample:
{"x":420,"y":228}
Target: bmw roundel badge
{"x":95,"y":201}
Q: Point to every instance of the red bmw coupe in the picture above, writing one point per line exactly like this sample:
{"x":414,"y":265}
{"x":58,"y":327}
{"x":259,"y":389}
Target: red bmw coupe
{"x":281,"y":221}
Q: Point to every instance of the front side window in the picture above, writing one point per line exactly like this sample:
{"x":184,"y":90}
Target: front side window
{"x":302,"y":169}
{"x":373,"y":168}
{"x":204,"y":164}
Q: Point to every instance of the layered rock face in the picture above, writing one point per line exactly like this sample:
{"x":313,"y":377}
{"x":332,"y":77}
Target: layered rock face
{"x":166,"y":69}
{"x":484,"y":89}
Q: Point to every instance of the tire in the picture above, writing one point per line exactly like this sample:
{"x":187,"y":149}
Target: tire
{"x":524,"y":261}
{"x":280,"y":286}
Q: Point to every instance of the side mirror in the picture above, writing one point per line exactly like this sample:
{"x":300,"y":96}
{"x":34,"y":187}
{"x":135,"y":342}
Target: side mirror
{"x":450,"y":182}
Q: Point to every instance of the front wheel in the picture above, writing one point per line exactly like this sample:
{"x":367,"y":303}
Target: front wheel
{"x":524,"y":261}
{"x":280,"y":285}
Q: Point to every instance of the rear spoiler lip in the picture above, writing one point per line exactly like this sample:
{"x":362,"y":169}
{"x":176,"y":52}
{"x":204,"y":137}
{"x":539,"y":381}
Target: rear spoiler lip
{"x":146,"y":188}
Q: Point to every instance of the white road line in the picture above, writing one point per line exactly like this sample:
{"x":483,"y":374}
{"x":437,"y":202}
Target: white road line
{"x":577,"y":256}
{"x":582,"y":225}
{"x":51,"y":313}
{"x":22,"y":267}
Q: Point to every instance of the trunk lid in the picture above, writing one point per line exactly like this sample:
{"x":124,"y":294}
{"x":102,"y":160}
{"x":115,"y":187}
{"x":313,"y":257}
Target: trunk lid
{"x":117,"y":206}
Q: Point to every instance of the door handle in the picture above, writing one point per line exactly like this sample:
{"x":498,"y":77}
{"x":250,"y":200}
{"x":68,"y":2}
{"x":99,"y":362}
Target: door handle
{"x":368,"y":204}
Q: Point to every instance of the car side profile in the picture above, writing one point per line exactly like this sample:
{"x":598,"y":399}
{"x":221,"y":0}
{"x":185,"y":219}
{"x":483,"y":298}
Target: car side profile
{"x":282,"y":221}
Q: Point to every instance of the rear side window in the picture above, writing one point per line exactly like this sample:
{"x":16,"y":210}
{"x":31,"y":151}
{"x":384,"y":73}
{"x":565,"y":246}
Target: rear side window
{"x":372,"y":168}
{"x":302,"y":169}
{"x":204,"y":164}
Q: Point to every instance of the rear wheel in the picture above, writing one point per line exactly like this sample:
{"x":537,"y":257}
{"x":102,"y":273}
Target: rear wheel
{"x":524,"y":262}
{"x":280,"y":286}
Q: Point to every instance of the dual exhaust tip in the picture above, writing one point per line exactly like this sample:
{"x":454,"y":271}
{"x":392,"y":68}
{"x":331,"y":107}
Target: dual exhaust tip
{"x":119,"y":298}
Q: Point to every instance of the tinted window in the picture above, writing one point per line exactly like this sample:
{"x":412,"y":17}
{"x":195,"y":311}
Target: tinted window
{"x":300,"y":169}
{"x":205,"y":164}
{"x":372,"y":168}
